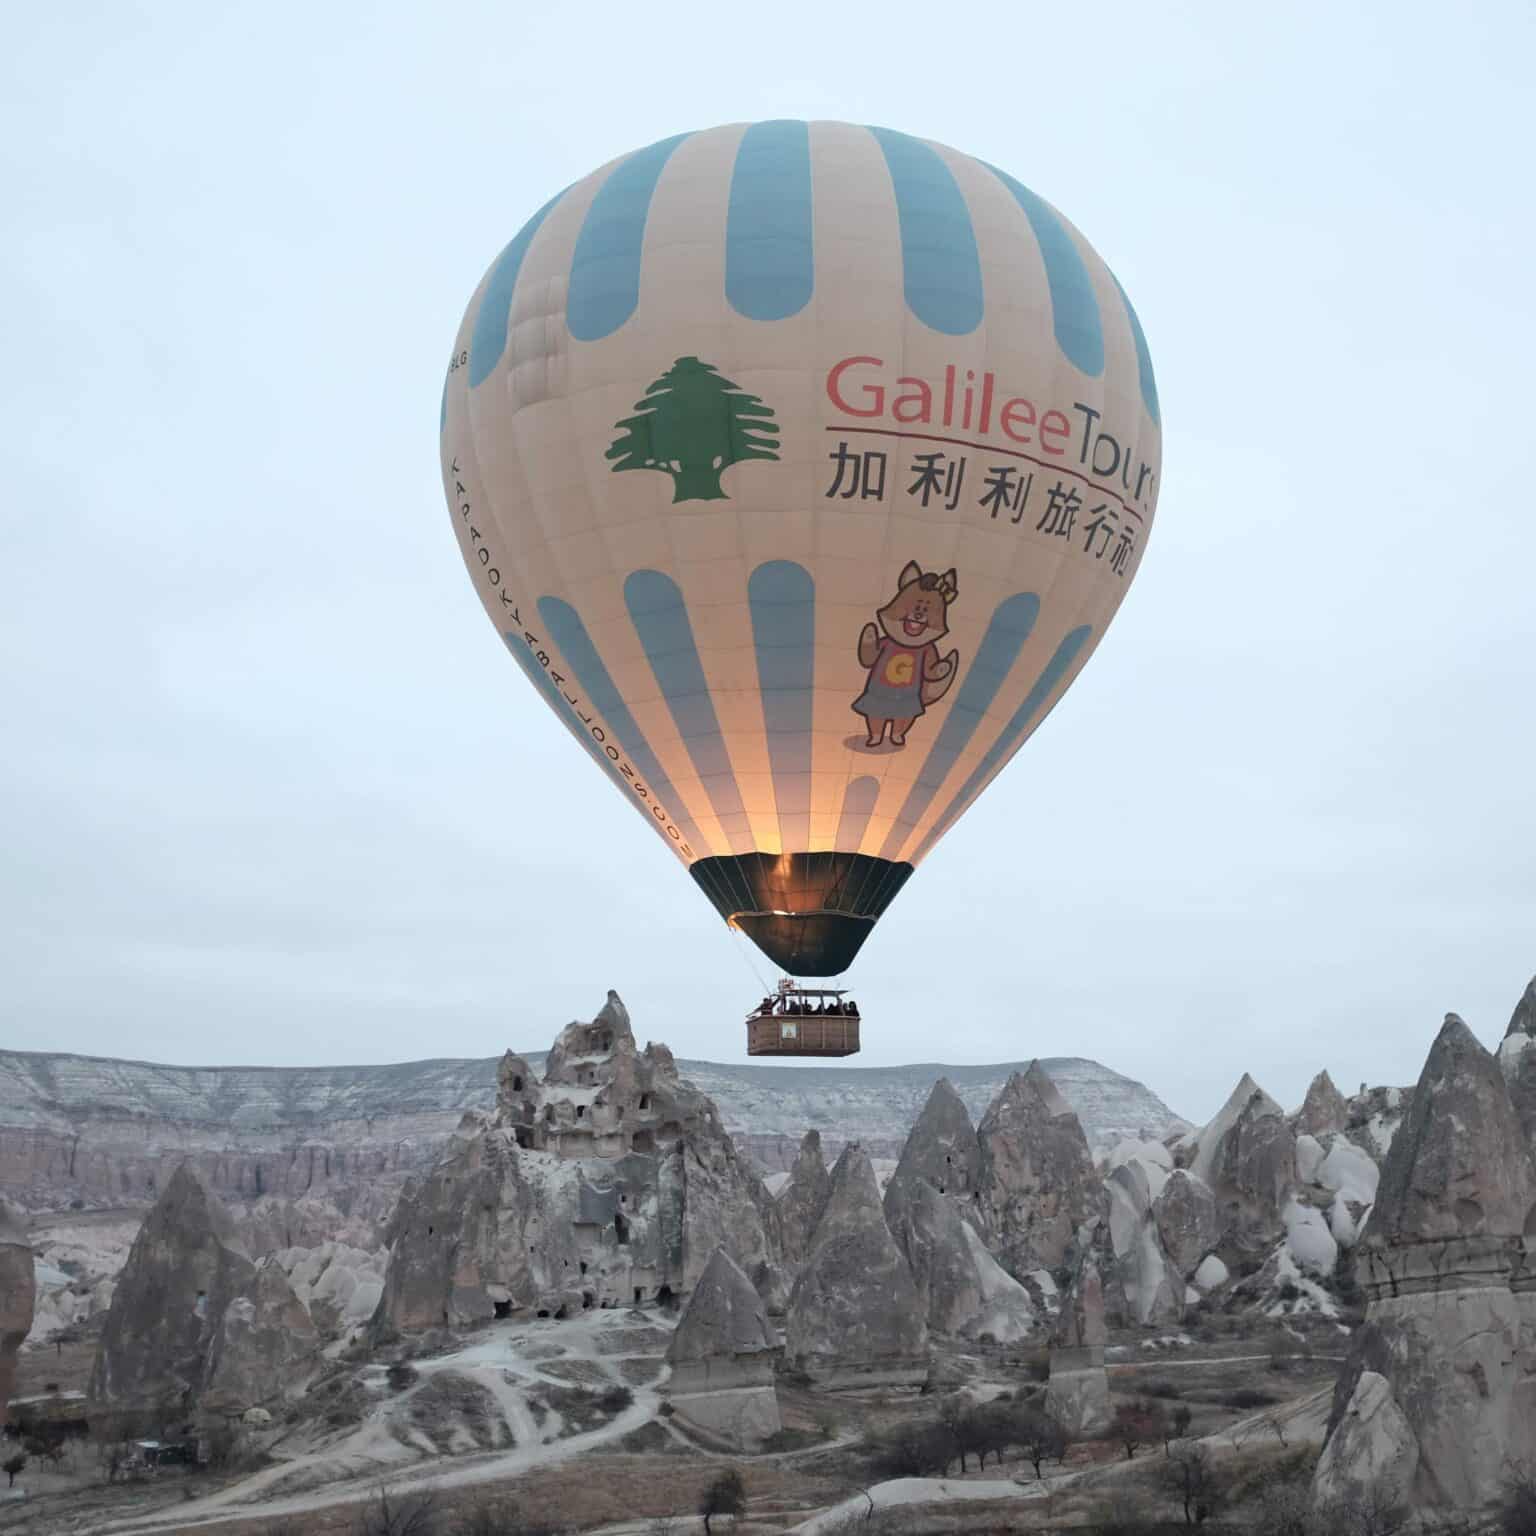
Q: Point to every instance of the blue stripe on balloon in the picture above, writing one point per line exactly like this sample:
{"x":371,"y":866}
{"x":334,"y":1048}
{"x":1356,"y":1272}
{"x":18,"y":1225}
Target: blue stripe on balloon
{"x":941,"y":267}
{"x":660,"y":617}
{"x":1012,"y":621}
{"x":782,"y":599}
{"x":1074,"y":304}
{"x":1143,"y":358}
{"x":562,"y":707}
{"x":1010,"y":736}
{"x":570,"y":634}
{"x":858,"y":802}
{"x":770,"y":259}
{"x":605,"y":269}
{"x":489,"y":339}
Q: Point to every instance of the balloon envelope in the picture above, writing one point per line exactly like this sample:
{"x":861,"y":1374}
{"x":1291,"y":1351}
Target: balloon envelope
{"x":801,"y":468}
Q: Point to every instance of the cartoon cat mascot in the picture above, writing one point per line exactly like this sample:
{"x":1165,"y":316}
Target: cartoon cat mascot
{"x":906,"y":672}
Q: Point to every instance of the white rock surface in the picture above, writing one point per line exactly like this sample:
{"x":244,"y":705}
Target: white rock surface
{"x":1211,"y":1273}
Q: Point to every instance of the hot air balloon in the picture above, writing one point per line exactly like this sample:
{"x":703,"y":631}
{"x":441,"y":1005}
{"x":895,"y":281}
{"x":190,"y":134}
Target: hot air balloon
{"x":801,"y":467}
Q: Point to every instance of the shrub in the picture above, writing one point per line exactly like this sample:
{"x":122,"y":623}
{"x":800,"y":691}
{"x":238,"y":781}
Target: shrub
{"x":615,"y":1399}
{"x":1248,"y":1397}
{"x":726,"y":1495}
{"x":401,"y":1375}
{"x":1162,"y":1389}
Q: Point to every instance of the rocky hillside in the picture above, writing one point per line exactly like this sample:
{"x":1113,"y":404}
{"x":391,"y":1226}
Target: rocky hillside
{"x":109,"y":1132}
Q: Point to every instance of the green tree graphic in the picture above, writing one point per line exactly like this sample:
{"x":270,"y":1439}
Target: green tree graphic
{"x":693,"y":424}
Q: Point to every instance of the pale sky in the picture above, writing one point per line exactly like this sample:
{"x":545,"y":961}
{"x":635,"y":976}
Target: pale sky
{"x":272,"y":789}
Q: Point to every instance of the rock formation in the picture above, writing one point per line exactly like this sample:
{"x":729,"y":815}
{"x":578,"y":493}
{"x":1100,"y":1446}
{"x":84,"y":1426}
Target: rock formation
{"x":609,"y":1182}
{"x":1141,"y":1284}
{"x":855,"y":1318}
{"x":186,"y":1266}
{"x":1185,"y":1213}
{"x":1445,"y":1357}
{"x":18,"y":1295}
{"x":941,"y":1149}
{"x":931,"y":1208}
{"x":1324,"y":1110}
{"x":803,"y":1199}
{"x":961,"y":1288}
{"x":1035,"y":1175}
{"x":1517,"y":1057}
{"x":265,"y":1347}
{"x":1077,"y":1394}
{"x":722,"y":1356}
{"x":1247,"y":1158}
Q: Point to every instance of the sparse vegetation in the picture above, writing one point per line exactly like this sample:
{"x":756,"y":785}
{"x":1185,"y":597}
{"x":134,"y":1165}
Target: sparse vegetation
{"x":1517,"y":1516}
{"x":399,"y":1514}
{"x":12,"y":1466}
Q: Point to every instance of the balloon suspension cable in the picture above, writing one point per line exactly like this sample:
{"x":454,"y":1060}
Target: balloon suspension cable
{"x":746,"y":959}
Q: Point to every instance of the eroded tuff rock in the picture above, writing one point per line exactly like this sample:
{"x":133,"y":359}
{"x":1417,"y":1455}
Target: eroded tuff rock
{"x":1517,"y":1058}
{"x":186,"y":1266}
{"x":1246,"y":1156}
{"x":722,"y":1356}
{"x":1035,"y":1177}
{"x":18,"y":1296}
{"x":1460,"y":1167}
{"x":265,"y":1347}
{"x":1185,"y":1213}
{"x":803,"y":1199}
{"x":1372,"y":1449}
{"x":1324,"y":1110}
{"x":941,"y":1149}
{"x":932,"y":1211}
{"x":1077,"y":1393}
{"x":961,"y":1288}
{"x":855,"y":1318}
{"x":610,"y":1181}
{"x":1452,"y":1342}
{"x":1141,"y":1284}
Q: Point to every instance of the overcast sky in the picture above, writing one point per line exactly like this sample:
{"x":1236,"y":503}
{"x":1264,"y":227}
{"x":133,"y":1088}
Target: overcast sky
{"x":272,"y":790}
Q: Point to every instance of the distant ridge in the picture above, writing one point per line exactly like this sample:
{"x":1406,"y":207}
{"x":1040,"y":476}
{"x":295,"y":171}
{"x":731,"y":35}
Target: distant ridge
{"x":104,"y":1129}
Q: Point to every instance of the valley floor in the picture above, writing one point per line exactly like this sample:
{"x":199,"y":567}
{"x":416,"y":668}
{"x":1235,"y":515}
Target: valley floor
{"x":565,"y":1421}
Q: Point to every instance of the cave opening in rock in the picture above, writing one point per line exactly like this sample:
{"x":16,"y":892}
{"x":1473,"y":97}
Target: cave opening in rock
{"x":542,"y":1312}
{"x":581,"y":1110}
{"x":620,"y":1228}
{"x":502,"y":1308}
{"x":524,"y":1137}
{"x":586,"y":1301}
{"x":639,"y":1294}
{"x":583,"y":1266}
{"x":645,"y":1101}
{"x":517,"y":1084}
{"x":664,"y":1295}
{"x":645,"y":1141}
{"x":560,"y":1313}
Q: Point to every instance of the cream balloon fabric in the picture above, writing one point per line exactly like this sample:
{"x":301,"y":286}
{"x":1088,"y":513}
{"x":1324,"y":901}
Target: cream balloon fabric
{"x":801,"y":467}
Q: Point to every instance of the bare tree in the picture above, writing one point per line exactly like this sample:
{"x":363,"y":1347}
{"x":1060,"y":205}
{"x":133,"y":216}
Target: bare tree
{"x":1041,"y":1436}
{"x":726,"y":1495}
{"x":1136,"y":1424}
{"x":1371,"y":1512}
{"x":399,"y":1514}
{"x":1188,"y":1474}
